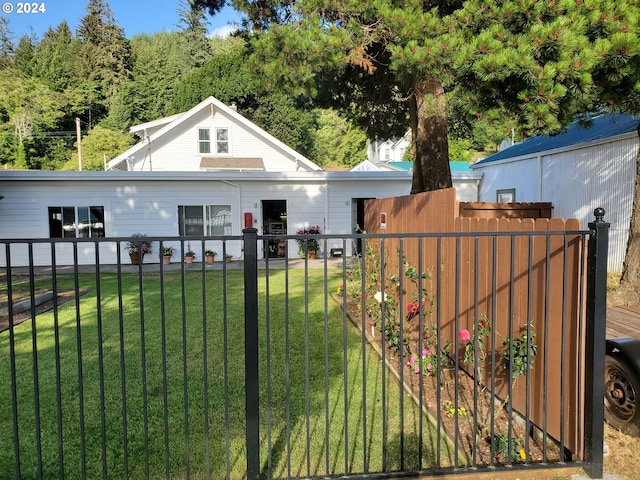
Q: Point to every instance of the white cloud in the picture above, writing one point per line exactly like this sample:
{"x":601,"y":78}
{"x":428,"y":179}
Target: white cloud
{"x":224,"y":31}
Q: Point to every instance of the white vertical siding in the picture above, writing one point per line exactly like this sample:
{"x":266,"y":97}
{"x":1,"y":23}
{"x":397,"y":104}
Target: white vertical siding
{"x":521,"y":175}
{"x":576,"y":181}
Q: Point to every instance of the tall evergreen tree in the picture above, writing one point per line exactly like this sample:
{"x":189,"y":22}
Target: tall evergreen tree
{"x":225,"y":76}
{"x":103,"y":57}
{"x":543,"y":61}
{"x":54,"y":60}
{"x":193,"y":24}
{"x":6,"y":44}
{"x":161,"y":61}
{"x":24,"y":55}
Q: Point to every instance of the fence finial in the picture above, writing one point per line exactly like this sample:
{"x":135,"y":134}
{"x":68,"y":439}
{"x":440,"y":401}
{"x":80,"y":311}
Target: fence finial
{"x":599,"y":214}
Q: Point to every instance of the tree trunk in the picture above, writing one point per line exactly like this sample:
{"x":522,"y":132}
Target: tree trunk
{"x":428,"y":116}
{"x":628,"y":292}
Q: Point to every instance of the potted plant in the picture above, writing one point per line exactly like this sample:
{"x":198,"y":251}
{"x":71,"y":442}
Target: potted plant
{"x":309,"y":246}
{"x":167,"y":253}
{"x":209,"y":255}
{"x":228,"y":257}
{"x":189,"y":256}
{"x":137,"y":247}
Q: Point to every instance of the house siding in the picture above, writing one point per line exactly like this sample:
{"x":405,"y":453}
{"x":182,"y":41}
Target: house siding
{"x":148,"y":203}
{"x":178,"y":149}
{"x":576,"y":180}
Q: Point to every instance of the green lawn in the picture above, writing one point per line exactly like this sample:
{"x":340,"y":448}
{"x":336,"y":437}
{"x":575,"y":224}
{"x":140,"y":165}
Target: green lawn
{"x":181,"y":413}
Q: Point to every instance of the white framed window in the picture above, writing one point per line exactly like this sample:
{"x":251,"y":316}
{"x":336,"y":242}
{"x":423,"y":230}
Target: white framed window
{"x":76,"y":222}
{"x":218,"y":219}
{"x":507,"y":195}
{"x":204,"y":140}
{"x":222,"y":141}
{"x":198,"y":220}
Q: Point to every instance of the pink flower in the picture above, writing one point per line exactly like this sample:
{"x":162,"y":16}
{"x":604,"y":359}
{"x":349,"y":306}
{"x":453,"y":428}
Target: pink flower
{"x":412,"y":361}
{"x":429,"y":367}
{"x":464,"y":335}
{"x":427,"y":352}
{"x":416,"y":369}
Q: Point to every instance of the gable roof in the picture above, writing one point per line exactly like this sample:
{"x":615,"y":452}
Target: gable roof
{"x":208,"y":103}
{"x":601,"y":127}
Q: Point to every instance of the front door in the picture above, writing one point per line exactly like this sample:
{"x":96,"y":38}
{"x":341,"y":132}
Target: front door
{"x":274,"y":222}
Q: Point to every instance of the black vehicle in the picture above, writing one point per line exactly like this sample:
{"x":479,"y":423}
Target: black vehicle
{"x":622,"y":385}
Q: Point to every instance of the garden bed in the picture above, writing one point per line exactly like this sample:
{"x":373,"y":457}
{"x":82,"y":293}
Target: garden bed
{"x":483,"y":434}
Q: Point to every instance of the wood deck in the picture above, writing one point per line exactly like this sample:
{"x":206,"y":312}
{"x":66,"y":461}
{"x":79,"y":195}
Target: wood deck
{"x":623,"y":322}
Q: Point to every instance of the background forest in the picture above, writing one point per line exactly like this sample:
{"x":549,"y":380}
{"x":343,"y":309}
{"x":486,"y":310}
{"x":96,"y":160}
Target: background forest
{"x":109,"y":82}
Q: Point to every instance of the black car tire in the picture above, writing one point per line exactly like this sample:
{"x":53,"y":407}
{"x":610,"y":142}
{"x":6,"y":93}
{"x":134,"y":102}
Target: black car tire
{"x":621,"y":390}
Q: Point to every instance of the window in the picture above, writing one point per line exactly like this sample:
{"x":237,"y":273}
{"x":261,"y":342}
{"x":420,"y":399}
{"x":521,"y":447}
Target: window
{"x":222,"y":140}
{"x":218,"y":220}
{"x":204,"y":140}
{"x":507,"y":195}
{"x":198,"y":220}
{"x":387,"y":154}
{"x":76,"y":222}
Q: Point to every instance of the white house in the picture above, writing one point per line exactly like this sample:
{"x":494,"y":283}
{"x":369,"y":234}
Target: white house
{"x":391,"y":150}
{"x":579,"y":170}
{"x":208,"y":171}
{"x":210,"y":137}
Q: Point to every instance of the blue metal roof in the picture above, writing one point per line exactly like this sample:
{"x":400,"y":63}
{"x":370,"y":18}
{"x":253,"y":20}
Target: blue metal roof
{"x":455,"y":166}
{"x":602,"y":126}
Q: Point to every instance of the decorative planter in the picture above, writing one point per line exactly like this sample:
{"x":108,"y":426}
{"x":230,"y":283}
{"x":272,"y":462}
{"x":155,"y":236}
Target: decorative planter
{"x":188,"y":259}
{"x":227,"y":259}
{"x":166,"y":259}
{"x":209,"y":258}
{"x":311,"y":255}
{"x":135,"y":258}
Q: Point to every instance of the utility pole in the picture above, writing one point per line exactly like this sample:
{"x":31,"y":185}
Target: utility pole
{"x":79,"y":142}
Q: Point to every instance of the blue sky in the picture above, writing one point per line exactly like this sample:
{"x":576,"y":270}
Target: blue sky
{"x":134,"y":16}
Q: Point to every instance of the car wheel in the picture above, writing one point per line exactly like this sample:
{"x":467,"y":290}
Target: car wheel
{"x":621,"y":389}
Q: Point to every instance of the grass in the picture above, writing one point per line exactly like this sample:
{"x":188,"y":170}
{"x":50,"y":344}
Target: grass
{"x":147,"y":389}
{"x":622,"y":454}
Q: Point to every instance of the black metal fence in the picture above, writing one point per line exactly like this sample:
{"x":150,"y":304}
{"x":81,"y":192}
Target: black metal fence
{"x":280,"y":367}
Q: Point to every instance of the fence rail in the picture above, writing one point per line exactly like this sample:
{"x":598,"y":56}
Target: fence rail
{"x":297,"y":368}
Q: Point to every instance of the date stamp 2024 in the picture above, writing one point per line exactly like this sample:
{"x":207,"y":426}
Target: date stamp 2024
{"x":24,"y":7}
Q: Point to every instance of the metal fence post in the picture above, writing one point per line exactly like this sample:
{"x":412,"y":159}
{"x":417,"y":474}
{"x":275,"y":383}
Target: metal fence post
{"x":595,"y":343}
{"x":251,"y":351}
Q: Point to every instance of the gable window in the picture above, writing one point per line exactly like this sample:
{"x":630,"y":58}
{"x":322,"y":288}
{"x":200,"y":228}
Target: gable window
{"x":507,"y":195}
{"x":204,"y":140}
{"x":76,"y":222}
{"x":222,"y":140}
{"x":198,"y":220}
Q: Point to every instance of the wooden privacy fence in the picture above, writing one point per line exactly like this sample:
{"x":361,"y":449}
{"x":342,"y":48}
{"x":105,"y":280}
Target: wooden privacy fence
{"x":526,"y":276}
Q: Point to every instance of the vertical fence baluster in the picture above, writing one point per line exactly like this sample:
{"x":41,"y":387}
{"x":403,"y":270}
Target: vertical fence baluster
{"x":251,"y":351}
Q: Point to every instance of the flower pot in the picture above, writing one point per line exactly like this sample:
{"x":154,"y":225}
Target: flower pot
{"x":228,"y":259}
{"x":311,"y":255}
{"x":135,"y":258}
{"x":166,"y":259}
{"x":209,"y":258}
{"x":188,"y":259}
